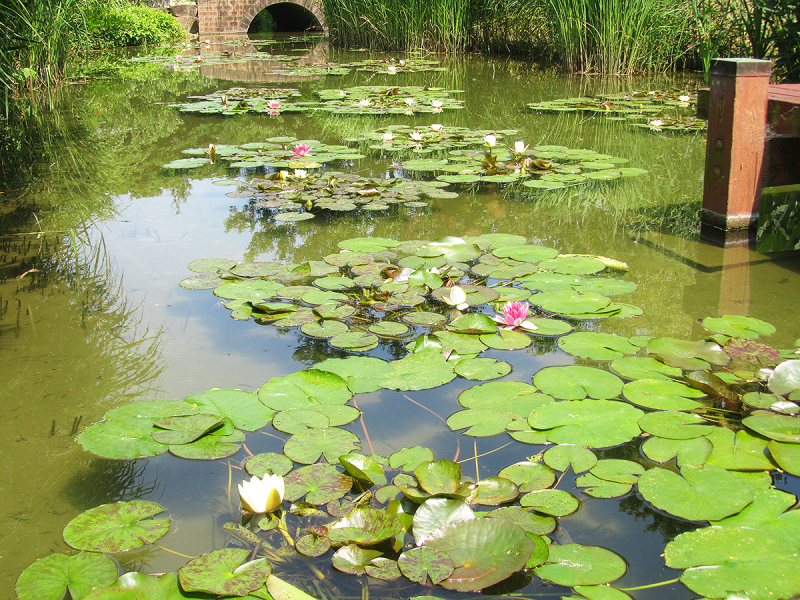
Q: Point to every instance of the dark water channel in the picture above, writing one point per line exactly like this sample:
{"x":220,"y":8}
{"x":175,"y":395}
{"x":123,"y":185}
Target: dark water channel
{"x":102,"y":320}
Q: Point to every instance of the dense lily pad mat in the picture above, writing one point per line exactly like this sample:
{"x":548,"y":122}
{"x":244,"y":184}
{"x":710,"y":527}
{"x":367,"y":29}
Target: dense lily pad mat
{"x":423,"y":520}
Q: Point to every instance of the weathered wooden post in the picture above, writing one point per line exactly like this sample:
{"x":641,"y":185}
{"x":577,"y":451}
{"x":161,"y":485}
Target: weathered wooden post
{"x":737,"y":121}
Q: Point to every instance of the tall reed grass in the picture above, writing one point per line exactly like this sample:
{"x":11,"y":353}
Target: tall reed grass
{"x":620,"y":36}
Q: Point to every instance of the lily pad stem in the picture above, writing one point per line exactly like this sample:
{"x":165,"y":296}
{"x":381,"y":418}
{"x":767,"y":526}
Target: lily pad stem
{"x":173,"y":551}
{"x":363,"y":426}
{"x":458,"y":440}
{"x":283,"y":530}
{"x":651,"y":585}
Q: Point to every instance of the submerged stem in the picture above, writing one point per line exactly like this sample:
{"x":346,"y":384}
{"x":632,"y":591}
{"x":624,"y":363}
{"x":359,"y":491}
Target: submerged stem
{"x":173,"y":551}
{"x":650,"y":585}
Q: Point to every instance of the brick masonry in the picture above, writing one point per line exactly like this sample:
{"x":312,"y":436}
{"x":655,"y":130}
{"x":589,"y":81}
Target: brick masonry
{"x":234,"y":16}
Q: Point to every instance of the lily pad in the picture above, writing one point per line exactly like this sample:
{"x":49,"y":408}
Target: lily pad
{"x":527,"y":520}
{"x":408,"y":459}
{"x":564,"y":456}
{"x":781,"y":428}
{"x":225,"y":573}
{"x":739,"y":451}
{"x":420,"y":371}
{"x":688,"y":355}
{"x":320,"y":484}
{"x":435,"y":513}
{"x":362,"y":373}
{"x":485,"y":552}
{"x":116,"y":527}
{"x":675,"y":425}
{"x":575,"y":564}
{"x":303,"y":389}
{"x":738,"y":326}
{"x":591,"y":423}
{"x":268,"y":462}
{"x":575,"y":382}
{"x":482,"y":369}
{"x":662,"y":394}
{"x":242,"y":408}
{"x":307,"y":447}
{"x":595,"y":345}
{"x":692,"y":452}
{"x":479,"y":422}
{"x":365,"y":526}
{"x":50,"y":578}
{"x":556,"y":503}
{"x":643,"y":367}
{"x":425,"y":565}
{"x":707,"y":494}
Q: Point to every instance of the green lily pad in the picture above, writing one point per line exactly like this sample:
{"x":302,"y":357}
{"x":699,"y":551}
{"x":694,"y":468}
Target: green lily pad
{"x":356,"y":341}
{"x":479,"y":422}
{"x":591,"y":423}
{"x":408,"y":459}
{"x":224,"y":572}
{"x":482,"y":369}
{"x":719,"y":559}
{"x":568,"y":302}
{"x":575,"y":564}
{"x":786,"y":455}
{"x":365,"y":526}
{"x":281,"y":590}
{"x":556,"y":503}
{"x":485,"y":552}
{"x":439,"y":476}
{"x":692,"y":452}
{"x":187,"y":163}
{"x":575,"y":382}
{"x":738,"y":451}
{"x":525,"y":252}
{"x":675,"y":425}
{"x":122,"y":439}
{"x":738,"y":326}
{"x":684,"y":354}
{"x":252,"y":291}
{"x":320,"y":484}
{"x":368,"y":244}
{"x":384,"y":569}
{"x":643,"y":367}
{"x":493,"y":491}
{"x":425,"y":565}
{"x":595,"y":345}
{"x":420,"y":371}
{"x":528,"y":521}
{"x":707,"y":494}
{"x":363,"y":468}
{"x":781,"y":428}
{"x":242,"y":408}
{"x":507,"y":339}
{"x":307,"y":447}
{"x":324,"y":329}
{"x":617,"y":470}
{"x":50,"y":578}
{"x":354,"y":560}
{"x":116,"y":527}
{"x":661,"y":394}
{"x":600,"y":488}
{"x":424,"y":318}
{"x":312,"y":545}
{"x":476,"y":323}
{"x":293,"y":217}
{"x":435,"y":513}
{"x":546,"y":326}
{"x":303,"y":389}
{"x":572,"y":265}
{"x":320,"y":416}
{"x":268,"y":462}
{"x":564,"y":456}
{"x":185,"y":429}
{"x":388,"y":329}
{"x":210,"y":447}
{"x":362,"y":373}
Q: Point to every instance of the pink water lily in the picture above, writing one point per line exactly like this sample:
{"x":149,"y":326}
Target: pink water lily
{"x":301,"y":150}
{"x":274,"y":104}
{"x":515,"y":315}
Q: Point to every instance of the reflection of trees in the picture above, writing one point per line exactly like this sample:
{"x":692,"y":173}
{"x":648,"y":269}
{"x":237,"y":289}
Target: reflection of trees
{"x":106,"y":481}
{"x":667,"y":526}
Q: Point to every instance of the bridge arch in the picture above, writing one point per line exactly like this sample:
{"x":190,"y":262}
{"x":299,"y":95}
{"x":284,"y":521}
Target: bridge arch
{"x":234,"y":16}
{"x":289,"y":15}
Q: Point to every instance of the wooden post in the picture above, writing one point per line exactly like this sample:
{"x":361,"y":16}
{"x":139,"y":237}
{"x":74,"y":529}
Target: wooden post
{"x":737,"y":121}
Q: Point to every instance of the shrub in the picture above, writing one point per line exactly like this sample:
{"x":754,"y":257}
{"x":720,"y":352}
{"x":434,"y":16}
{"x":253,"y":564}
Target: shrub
{"x":113,"y":25}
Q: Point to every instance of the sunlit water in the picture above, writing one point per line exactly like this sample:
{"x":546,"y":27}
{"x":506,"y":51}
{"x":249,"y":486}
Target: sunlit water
{"x":108,"y":323}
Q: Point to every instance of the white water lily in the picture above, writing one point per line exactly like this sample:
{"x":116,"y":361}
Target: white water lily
{"x":262,"y":495}
{"x":437,"y":127}
{"x":416,"y":136}
{"x":490,"y":139}
{"x":387,"y":138}
{"x":656,"y":122}
{"x":437,"y":103}
{"x":520,"y":147}
{"x":684,"y":98}
{"x":391,"y":69}
{"x":365,"y":102}
{"x":300,"y":173}
{"x":409,"y":101}
{"x":457,"y":297}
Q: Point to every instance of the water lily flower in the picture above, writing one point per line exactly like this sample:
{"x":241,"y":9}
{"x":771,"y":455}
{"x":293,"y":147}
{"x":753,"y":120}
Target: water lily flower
{"x":437,"y":103}
{"x":224,"y":99}
{"x":262,"y":495}
{"x":387,"y":138}
{"x":416,"y":136}
{"x":178,"y":57}
{"x":274,"y":104}
{"x":684,"y":98}
{"x":456,"y":297}
{"x":391,"y":69}
{"x":490,"y":139}
{"x":656,"y":123}
{"x":365,"y":102}
{"x":515,"y":315}
{"x":520,"y":147}
{"x":301,"y":150}
{"x":409,"y":101}
{"x":437,"y":127}
{"x":300,"y":173}
{"x":283,"y":174}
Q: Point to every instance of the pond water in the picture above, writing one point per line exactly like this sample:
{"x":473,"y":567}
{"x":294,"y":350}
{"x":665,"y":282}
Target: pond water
{"x":102,"y":321}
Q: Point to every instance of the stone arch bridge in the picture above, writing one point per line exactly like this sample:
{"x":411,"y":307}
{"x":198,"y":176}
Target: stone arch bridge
{"x":216,"y":17}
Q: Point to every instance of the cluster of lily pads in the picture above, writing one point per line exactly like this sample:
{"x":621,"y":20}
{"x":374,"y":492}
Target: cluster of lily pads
{"x":724,"y":409}
{"x":656,"y":110}
{"x":358,"y":100}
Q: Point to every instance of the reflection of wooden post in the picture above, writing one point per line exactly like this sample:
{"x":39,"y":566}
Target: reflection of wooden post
{"x":737,"y":119}
{"x":734,"y":289}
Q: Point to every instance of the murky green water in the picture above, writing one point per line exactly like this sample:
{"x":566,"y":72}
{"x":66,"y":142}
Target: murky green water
{"x":102,"y":321}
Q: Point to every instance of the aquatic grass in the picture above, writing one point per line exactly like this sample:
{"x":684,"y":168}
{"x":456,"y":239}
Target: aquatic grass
{"x":619,"y":36}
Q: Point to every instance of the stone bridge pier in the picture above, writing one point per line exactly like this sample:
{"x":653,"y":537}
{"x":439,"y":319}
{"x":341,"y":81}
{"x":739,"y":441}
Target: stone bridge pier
{"x":216,"y":17}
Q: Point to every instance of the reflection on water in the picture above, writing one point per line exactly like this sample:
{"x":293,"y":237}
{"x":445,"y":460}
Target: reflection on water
{"x":77,"y":335}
